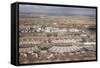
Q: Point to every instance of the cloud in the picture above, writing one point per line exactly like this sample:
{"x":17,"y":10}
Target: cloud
{"x":56,"y":10}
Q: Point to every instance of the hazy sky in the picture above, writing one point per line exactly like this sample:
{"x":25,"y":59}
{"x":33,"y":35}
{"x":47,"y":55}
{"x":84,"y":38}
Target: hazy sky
{"x":54,"y":10}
